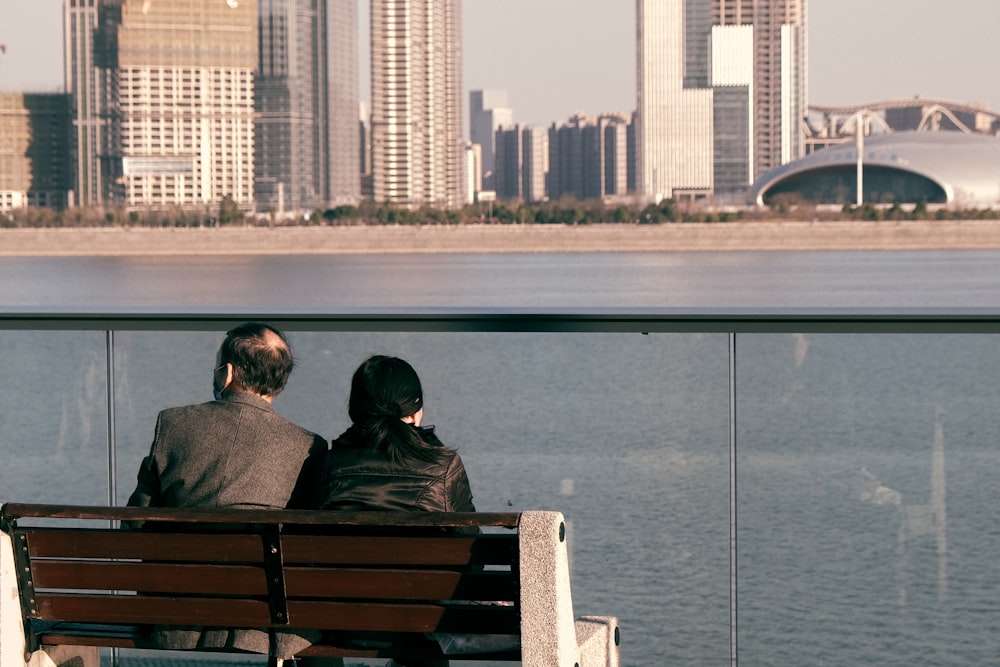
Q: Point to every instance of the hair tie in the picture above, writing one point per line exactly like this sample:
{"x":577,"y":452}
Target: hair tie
{"x":389,"y":411}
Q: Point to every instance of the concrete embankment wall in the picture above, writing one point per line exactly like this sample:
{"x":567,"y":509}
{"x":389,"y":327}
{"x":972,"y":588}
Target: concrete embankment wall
{"x":903,"y":235}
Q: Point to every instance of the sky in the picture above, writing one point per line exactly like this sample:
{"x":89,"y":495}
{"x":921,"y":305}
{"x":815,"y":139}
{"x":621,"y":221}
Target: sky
{"x":559,"y":57}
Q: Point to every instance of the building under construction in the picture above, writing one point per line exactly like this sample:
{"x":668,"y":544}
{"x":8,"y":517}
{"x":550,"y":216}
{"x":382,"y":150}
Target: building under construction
{"x":34,"y":143}
{"x":163,"y":97}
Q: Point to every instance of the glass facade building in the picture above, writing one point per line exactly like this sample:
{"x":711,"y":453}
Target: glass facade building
{"x":721,"y":93}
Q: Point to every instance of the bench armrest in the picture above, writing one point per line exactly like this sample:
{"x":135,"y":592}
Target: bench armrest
{"x":598,"y":638}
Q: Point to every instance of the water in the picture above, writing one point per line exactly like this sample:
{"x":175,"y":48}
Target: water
{"x":850,"y":550}
{"x":326,"y":283}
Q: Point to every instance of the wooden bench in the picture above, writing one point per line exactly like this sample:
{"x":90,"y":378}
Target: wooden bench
{"x":73,"y":581}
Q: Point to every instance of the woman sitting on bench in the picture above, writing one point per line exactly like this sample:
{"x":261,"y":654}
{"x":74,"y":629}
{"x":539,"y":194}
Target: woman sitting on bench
{"x":386,"y":460}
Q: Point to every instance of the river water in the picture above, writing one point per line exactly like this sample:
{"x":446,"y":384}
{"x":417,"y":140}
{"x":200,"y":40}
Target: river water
{"x":865,"y":465}
{"x":875,"y":279}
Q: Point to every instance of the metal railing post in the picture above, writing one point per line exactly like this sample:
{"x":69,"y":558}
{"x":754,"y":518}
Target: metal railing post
{"x":733,"y":641}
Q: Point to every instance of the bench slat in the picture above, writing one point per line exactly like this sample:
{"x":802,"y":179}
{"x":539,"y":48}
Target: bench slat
{"x":399,"y":584}
{"x":378,"y":550}
{"x":139,"y":609}
{"x":14,"y":511}
{"x":243,"y":548}
{"x":129,"y":637}
{"x":222,"y":612}
{"x":148,"y":577}
{"x":318,"y":582}
{"x":67,"y":543}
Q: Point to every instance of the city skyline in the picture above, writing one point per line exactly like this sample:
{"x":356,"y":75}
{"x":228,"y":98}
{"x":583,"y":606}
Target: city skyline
{"x":722,"y":93}
{"x":895,"y":52}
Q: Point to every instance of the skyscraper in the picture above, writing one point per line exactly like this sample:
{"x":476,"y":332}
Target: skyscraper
{"x":721,"y":94}
{"x":306,"y":98}
{"x":418,"y":154}
{"x":343,"y":150}
{"x":89,"y":73}
{"x":163,"y":95}
{"x":488,"y":112}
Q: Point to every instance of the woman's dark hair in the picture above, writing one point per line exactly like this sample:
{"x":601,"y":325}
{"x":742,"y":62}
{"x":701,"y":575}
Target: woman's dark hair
{"x":383,"y":391}
{"x":261,"y":357}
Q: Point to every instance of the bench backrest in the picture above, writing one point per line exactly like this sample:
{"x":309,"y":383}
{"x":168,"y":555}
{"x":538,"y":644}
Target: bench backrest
{"x":349,"y":572}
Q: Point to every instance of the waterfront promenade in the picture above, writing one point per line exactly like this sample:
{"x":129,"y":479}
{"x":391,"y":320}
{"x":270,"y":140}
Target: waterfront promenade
{"x":740,"y":236}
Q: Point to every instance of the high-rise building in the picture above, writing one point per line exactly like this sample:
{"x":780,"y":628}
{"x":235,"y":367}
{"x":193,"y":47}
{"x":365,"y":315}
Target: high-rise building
{"x":34,"y":150}
{"x":507,"y":164}
{"x":418,"y":153}
{"x":89,"y":54}
{"x":163,"y":97}
{"x":343,"y":149}
{"x":721,"y":94}
{"x":589,"y":157}
{"x":566,"y":158}
{"x":306,"y":97}
{"x":614,"y":160}
{"x":522,"y":163}
{"x":488,"y":112}
{"x":534,"y":163}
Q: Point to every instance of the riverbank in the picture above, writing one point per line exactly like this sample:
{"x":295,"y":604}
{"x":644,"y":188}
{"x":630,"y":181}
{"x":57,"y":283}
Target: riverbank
{"x":680,"y":237}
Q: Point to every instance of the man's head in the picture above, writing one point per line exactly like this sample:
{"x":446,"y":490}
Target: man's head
{"x":254,"y":357}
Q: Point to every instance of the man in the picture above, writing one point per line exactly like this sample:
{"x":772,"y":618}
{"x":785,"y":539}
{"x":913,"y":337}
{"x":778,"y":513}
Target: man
{"x":234,"y":452}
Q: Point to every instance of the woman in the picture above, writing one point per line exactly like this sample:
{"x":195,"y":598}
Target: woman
{"x":386,"y":460}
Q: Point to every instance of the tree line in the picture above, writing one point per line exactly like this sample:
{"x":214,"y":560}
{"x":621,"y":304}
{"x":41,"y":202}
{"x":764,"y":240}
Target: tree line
{"x":563,"y":212}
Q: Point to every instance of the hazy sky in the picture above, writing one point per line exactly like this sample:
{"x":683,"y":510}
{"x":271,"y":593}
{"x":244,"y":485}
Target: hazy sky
{"x":558,"y":57}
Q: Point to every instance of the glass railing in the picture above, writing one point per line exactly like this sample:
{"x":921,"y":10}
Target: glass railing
{"x":741,"y":488}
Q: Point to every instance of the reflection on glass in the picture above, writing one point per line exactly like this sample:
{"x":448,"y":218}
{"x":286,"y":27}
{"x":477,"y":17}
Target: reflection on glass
{"x":626,"y":434}
{"x":54,"y":426}
{"x":866,"y":470}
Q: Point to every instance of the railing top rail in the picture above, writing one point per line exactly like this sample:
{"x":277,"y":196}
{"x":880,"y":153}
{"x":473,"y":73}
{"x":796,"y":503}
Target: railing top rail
{"x":486,"y":321}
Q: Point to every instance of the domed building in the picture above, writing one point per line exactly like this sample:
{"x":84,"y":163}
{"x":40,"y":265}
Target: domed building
{"x":898,"y":167}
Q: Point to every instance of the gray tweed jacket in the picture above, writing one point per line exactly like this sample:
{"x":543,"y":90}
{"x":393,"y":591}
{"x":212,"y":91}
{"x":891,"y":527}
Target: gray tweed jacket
{"x":234,"y":453}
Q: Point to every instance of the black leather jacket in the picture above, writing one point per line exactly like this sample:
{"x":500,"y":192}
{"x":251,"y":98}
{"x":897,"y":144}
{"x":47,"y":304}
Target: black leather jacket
{"x":360,"y":478}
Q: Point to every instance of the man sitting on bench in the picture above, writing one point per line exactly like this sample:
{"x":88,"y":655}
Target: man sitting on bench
{"x":235,"y":452}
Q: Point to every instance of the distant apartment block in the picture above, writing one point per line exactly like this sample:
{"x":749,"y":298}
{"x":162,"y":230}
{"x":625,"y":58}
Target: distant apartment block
{"x":522,"y":163}
{"x":610,"y":155}
{"x":721,"y":94}
{"x":589,"y":157}
{"x":474,"y":175}
{"x":488,"y":112}
{"x":508,"y":164}
{"x":418,"y":151}
{"x":306,"y":99}
{"x":365,"y":151}
{"x":34,"y":150}
{"x":163,"y":100}
{"x":534,"y":163}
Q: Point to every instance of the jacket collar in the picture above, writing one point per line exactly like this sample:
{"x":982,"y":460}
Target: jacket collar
{"x":247,"y":398}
